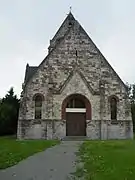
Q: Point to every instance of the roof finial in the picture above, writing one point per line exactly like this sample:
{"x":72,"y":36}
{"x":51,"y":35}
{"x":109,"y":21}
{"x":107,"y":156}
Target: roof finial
{"x":70,"y":9}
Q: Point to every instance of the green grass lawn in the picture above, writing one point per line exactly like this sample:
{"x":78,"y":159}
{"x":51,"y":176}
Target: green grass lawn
{"x":12,"y":151}
{"x":108,"y":160}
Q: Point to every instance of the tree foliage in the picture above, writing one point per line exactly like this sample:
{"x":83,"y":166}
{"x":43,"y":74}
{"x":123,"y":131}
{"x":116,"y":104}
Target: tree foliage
{"x":9,"y":107}
{"x":131,"y":94}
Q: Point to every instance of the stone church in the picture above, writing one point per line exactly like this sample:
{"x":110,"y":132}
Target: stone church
{"x":73,"y":92}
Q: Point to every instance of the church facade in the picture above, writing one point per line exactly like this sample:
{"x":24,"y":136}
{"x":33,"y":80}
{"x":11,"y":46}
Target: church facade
{"x":73,"y":92}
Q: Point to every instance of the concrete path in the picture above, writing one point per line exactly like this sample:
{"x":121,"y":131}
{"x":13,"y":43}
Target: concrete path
{"x":55,"y":163}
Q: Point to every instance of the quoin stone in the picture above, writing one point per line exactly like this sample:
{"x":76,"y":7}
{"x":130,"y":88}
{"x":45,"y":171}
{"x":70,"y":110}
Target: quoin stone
{"x":73,"y":92}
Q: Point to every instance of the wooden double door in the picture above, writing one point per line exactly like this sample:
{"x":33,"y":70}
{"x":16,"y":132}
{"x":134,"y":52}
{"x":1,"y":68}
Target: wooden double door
{"x":75,"y":124}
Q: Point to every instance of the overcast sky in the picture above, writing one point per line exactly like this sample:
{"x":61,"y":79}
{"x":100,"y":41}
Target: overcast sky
{"x":26,"y":27}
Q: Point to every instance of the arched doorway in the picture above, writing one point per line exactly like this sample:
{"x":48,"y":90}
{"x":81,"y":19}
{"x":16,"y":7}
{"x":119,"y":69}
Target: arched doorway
{"x":76,"y":109}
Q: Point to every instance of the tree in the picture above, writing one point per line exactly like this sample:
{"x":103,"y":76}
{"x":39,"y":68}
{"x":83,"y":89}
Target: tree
{"x":9,"y":107}
{"x":131,"y":94}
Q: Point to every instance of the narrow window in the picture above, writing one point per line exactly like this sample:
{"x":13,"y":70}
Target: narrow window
{"x":113,"y":107}
{"x":76,"y":52}
{"x":38,"y":107}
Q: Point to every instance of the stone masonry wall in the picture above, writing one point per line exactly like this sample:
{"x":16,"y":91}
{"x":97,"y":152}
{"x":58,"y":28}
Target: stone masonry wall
{"x":74,"y":66}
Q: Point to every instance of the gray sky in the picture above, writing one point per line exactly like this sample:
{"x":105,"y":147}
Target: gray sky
{"x":26,"y":26}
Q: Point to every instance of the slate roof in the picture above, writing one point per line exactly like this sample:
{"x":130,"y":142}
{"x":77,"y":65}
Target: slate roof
{"x":30,"y":70}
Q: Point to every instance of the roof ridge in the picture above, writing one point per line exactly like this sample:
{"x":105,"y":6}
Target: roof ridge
{"x":33,"y":66}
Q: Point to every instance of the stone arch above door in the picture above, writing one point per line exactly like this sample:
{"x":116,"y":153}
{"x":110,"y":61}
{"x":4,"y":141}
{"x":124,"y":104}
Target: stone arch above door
{"x":78,"y":97}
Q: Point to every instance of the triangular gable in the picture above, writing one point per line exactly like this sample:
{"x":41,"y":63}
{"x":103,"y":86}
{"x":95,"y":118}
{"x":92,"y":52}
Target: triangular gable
{"x":63,"y":86}
{"x":65,"y":32}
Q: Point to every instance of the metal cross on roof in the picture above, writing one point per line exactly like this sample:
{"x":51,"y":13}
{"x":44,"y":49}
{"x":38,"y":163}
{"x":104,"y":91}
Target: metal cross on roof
{"x":70,"y":9}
